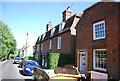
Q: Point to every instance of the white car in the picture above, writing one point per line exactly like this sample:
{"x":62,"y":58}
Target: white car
{"x":17,"y":60}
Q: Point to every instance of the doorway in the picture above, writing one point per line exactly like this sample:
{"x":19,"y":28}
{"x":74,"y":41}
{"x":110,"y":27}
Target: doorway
{"x":82,"y":62}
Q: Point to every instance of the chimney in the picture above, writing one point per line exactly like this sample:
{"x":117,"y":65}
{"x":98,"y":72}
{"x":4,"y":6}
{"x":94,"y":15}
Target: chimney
{"x":66,"y":14}
{"x":48,"y":26}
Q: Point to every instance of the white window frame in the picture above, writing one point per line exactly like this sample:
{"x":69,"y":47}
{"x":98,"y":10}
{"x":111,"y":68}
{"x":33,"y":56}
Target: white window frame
{"x":94,"y":63}
{"x":43,"y":36}
{"x":41,"y":46}
{"x":61,"y":26}
{"x":50,"y":45}
{"x":59,"y":43}
{"x":39,"y":38}
{"x":102,"y":30}
{"x":52,"y":31}
{"x":38,"y":46}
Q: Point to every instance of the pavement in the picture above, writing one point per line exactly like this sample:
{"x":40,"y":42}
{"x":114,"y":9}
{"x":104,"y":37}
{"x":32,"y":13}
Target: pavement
{"x":10,"y":71}
{"x":1,"y":69}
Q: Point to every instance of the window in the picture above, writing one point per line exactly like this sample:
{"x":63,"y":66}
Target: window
{"x":41,"y":46}
{"x":99,"y":30}
{"x":61,"y":26}
{"x":43,"y":36}
{"x":39,"y":38}
{"x":50,"y":45}
{"x":59,"y":43}
{"x":100,"y":59}
{"x":37,"y":55}
{"x":37,"y":47}
{"x":52,"y":31}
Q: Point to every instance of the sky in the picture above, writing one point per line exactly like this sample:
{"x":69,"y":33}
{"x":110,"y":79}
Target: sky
{"x":31,"y":17}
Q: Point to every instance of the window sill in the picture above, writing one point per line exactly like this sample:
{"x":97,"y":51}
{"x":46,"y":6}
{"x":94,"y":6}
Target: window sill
{"x":100,"y":70}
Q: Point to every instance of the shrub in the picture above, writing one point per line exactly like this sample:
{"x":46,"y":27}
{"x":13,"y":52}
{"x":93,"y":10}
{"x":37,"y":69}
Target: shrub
{"x":65,"y":59}
{"x":59,"y":60}
{"x":12,"y":56}
{"x":29,"y":58}
{"x":25,"y":58}
{"x":53,"y":59}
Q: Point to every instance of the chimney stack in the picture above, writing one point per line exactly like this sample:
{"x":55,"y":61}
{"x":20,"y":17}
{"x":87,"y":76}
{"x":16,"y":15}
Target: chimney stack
{"x":66,"y":14}
{"x":48,"y":26}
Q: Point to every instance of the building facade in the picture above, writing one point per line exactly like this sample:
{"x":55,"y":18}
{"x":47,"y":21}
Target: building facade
{"x":98,"y":39}
{"x":58,"y":39}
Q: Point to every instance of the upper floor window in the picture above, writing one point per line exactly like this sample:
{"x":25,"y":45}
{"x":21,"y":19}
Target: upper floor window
{"x":100,"y":59}
{"x":99,"y":30}
{"x":39,"y":38}
{"x":41,"y":46}
{"x":43,"y":36}
{"x":61,"y":26}
{"x":37,"y":47}
{"x":52,"y":31}
{"x":50,"y":45}
{"x":59,"y":43}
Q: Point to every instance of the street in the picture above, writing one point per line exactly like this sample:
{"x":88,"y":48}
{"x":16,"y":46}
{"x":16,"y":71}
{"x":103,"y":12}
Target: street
{"x":10,"y":71}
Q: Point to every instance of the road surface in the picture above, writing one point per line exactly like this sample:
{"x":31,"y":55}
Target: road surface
{"x":11,"y":72}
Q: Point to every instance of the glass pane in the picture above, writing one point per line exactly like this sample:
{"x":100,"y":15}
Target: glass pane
{"x":100,"y":58}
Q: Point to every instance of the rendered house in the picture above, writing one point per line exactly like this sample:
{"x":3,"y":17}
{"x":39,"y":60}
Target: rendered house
{"x":58,"y":39}
{"x":98,"y":39}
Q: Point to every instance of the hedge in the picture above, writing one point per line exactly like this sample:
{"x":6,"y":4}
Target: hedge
{"x":65,"y":59}
{"x":29,"y":58}
{"x":53,"y":59}
{"x":59,"y":60}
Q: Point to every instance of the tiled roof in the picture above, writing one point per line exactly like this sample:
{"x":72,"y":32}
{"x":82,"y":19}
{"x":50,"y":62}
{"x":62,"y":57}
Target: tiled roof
{"x":38,"y":40}
{"x":68,"y":24}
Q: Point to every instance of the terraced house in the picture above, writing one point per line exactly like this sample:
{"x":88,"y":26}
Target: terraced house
{"x":58,"y":39}
{"x":98,"y":40}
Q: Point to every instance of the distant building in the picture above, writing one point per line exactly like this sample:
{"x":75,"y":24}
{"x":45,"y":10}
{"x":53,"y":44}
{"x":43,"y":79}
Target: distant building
{"x":58,"y":39}
{"x":98,"y":39}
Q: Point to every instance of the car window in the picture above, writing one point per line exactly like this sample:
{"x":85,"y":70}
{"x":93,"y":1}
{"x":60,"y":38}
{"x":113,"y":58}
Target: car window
{"x":32,"y":63}
{"x":17,"y":58}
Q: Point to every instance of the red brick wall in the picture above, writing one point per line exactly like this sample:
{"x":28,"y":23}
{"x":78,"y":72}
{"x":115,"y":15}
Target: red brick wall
{"x":66,"y":45}
{"x":84,"y":38}
{"x":119,"y":39}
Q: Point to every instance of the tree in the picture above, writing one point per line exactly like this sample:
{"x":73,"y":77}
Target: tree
{"x":7,"y":41}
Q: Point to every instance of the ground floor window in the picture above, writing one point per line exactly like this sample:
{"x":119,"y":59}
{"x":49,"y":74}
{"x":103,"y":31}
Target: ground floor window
{"x":44,"y":60}
{"x":99,"y":59}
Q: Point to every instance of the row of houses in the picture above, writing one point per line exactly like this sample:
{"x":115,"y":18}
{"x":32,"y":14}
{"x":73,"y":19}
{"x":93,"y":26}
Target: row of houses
{"x":92,"y":38}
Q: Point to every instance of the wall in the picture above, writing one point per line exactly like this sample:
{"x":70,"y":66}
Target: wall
{"x":66,"y":44}
{"x":84,"y":38}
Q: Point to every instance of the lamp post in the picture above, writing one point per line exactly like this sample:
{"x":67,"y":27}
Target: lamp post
{"x":26,"y":44}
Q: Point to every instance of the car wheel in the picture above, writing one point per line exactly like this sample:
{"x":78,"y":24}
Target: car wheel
{"x":23,"y":72}
{"x":20,"y":66}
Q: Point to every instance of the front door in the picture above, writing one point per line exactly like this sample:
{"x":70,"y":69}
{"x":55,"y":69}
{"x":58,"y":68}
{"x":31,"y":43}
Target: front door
{"x":82,"y":62}
{"x":43,"y":60}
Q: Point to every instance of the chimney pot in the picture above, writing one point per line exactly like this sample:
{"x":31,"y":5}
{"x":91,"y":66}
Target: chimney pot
{"x":66,"y":14}
{"x":49,"y":26}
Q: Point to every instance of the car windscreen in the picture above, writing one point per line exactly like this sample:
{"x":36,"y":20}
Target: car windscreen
{"x":17,"y":58}
{"x":32,"y":63}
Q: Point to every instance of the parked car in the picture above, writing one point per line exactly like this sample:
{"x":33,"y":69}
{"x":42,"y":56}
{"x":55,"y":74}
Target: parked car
{"x":49,"y":75}
{"x":21,"y":63}
{"x":17,"y":60}
{"x":28,"y":66}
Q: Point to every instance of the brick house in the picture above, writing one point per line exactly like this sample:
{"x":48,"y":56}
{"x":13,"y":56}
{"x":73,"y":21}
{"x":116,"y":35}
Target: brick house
{"x":98,"y":39}
{"x":58,"y":39}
